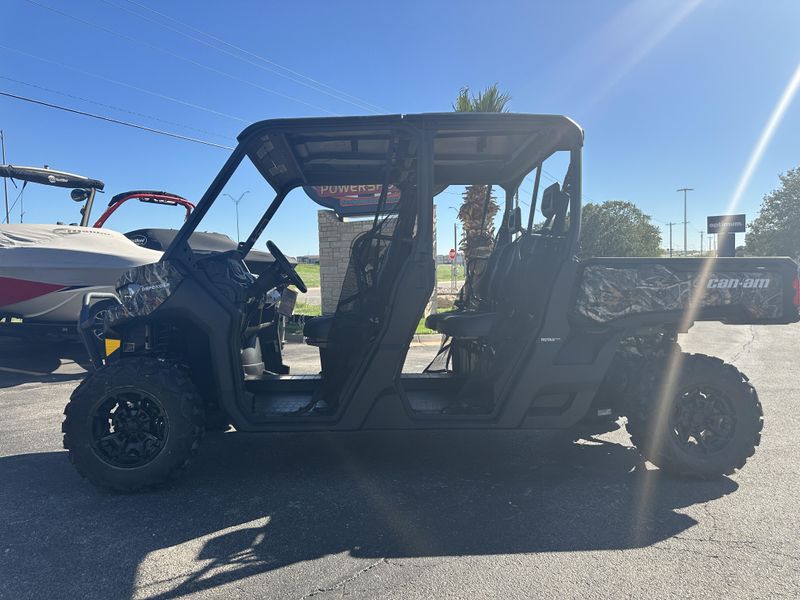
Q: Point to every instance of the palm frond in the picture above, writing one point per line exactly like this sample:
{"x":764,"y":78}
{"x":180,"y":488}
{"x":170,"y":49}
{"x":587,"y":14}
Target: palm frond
{"x":489,"y":100}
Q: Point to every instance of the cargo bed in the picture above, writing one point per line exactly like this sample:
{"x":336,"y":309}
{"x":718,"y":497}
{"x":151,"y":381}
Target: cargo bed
{"x":735,"y":290}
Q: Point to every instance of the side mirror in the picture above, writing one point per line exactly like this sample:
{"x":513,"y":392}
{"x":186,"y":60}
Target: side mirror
{"x":79,"y":194}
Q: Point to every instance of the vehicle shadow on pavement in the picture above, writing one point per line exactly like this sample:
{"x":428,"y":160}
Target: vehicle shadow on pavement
{"x":22,"y":361}
{"x":255,"y":505}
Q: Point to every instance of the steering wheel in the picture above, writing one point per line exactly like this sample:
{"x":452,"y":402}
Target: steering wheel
{"x":283,"y":265}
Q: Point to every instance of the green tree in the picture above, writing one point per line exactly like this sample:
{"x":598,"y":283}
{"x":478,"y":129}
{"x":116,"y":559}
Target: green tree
{"x":617,"y":228}
{"x":776,"y":230}
{"x":477,"y":222}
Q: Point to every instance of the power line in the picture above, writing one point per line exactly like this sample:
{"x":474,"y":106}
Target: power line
{"x":115,"y":121}
{"x":127,"y":85}
{"x":140,"y":42}
{"x":111,"y":106}
{"x":272,"y":67}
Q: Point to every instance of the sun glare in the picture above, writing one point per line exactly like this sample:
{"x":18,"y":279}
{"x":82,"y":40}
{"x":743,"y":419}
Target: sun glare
{"x":669,"y":385}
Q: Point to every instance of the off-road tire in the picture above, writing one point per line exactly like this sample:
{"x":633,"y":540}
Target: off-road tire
{"x":179,"y":401}
{"x":695,"y":370}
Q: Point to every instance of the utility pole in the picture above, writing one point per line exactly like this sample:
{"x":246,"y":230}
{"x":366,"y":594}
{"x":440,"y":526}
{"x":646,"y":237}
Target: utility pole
{"x":685,"y":221}
{"x":670,"y":238}
{"x":5,"y":181}
{"x":701,"y":243}
{"x":236,"y":203}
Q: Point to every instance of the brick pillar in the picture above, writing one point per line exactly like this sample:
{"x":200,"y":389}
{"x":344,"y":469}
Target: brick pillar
{"x":335,"y":238}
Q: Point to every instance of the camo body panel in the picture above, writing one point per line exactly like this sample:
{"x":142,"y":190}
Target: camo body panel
{"x":608,"y":293}
{"x":143,"y":289}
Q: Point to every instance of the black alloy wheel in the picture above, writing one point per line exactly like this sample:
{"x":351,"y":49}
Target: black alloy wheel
{"x":129,"y":429}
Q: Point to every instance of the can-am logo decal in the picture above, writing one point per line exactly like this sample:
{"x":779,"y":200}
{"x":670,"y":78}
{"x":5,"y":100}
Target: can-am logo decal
{"x":727,"y":284}
{"x":154,"y":286}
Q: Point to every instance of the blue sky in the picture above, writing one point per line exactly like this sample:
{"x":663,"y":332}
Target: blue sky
{"x":670,"y":93}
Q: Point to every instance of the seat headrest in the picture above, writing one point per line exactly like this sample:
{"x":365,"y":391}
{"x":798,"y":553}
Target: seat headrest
{"x":548,"y":200}
{"x":554,"y":202}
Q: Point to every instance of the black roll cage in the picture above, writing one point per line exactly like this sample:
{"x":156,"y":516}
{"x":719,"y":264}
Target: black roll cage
{"x":421,"y":130}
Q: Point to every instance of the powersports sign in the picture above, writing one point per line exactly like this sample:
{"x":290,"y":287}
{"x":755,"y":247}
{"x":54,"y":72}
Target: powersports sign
{"x":353,"y":200}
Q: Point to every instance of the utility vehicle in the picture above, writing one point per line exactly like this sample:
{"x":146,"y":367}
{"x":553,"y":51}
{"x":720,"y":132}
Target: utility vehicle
{"x":540,"y":340}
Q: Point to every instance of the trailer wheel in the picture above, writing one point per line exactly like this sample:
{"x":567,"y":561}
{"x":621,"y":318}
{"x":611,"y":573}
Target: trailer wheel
{"x":709,"y":425}
{"x":97,"y":315}
{"x":133,"y":424}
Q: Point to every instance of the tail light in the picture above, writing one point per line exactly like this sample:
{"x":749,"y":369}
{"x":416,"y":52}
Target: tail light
{"x":797,"y":291}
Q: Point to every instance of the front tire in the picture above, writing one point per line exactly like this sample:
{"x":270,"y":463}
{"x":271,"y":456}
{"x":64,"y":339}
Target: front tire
{"x":133,"y":424}
{"x":707,"y":427}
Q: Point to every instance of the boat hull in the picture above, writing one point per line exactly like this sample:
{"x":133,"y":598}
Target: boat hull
{"x":45,"y":270}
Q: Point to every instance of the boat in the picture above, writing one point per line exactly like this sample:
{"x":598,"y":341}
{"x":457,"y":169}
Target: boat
{"x":202,"y":242}
{"x":46,"y":270}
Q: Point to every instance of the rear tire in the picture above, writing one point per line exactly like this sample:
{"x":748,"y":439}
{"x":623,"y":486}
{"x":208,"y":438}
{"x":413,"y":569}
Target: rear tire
{"x":709,"y":426}
{"x":133,"y":424}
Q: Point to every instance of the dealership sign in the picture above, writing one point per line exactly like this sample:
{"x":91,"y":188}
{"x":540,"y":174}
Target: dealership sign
{"x":353,"y":200}
{"x":726,"y":224}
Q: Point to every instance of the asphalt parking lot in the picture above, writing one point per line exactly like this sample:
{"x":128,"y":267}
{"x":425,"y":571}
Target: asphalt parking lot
{"x":402,"y":516}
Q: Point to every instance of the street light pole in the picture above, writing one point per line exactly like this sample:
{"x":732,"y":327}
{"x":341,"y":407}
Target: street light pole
{"x":236,"y":204}
{"x":685,"y":221}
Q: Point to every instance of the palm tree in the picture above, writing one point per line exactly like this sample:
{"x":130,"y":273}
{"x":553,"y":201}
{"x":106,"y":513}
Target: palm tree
{"x":478,"y":207}
{"x":477,"y":218}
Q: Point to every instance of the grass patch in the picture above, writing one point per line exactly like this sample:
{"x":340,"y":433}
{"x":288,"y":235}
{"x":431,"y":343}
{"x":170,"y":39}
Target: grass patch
{"x":421,"y":329}
{"x":311,"y":310}
{"x":309,"y":274}
{"x":445,"y":272}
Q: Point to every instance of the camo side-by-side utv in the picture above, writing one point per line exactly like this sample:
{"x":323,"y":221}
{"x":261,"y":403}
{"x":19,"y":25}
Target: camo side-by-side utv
{"x":540,"y":341}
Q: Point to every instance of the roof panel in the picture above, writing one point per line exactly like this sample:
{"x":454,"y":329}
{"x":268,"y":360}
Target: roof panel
{"x":468,"y":147}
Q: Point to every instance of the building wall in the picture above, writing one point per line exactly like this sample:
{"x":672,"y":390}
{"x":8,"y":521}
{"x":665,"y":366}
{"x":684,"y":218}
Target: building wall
{"x":335,"y":238}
